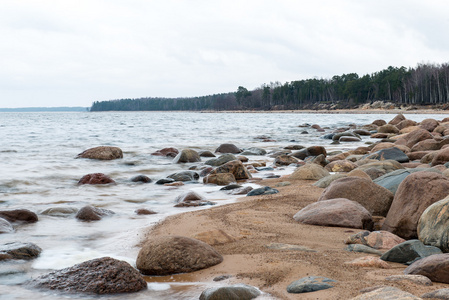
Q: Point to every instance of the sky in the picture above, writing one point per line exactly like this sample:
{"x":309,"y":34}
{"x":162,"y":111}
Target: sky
{"x":70,"y":53}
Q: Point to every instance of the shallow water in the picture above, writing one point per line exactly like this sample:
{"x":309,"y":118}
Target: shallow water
{"x":39,"y":171}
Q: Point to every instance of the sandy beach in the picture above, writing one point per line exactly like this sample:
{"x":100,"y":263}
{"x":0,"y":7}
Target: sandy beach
{"x":257,"y":225}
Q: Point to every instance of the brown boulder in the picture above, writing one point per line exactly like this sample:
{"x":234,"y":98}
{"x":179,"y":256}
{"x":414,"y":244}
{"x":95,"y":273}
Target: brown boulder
{"x":417,"y":136}
{"x":316,"y":150}
{"x":341,"y":166}
{"x":382,"y":240}
{"x":435,"y":267}
{"x":186,"y":156}
{"x":369,"y":262}
{"x":388,"y":128}
{"x":95,"y":178}
{"x":335,"y":212}
{"x":379,"y":122}
{"x":91,"y":213}
{"x":228,"y":148}
{"x":98,"y":276}
{"x":285,"y":160}
{"x":415,"y":193}
{"x":175,"y":254}
{"x":405,"y":123}
{"x":219,"y":179}
{"x":102,"y":153}
{"x":170,"y":152}
{"x":429,"y":124}
{"x":397,"y":119}
{"x":374,"y":198}
{"x":433,"y":225}
{"x":417,"y":155}
{"x":235,"y":167}
{"x":309,"y":172}
{"x":441,"y":157}
{"x":19,"y":215}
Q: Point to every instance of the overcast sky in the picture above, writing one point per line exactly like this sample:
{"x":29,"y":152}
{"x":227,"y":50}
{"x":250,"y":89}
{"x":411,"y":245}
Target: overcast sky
{"x":71,"y":53}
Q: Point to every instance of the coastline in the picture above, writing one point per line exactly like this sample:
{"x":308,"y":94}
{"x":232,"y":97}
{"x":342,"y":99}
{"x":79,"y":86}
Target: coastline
{"x":258,"y":224}
{"x":427,"y":111}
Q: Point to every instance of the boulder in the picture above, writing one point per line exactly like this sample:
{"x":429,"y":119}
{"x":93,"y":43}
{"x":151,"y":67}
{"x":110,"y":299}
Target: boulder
{"x":5,"y":226}
{"x":170,"y":152}
{"x":102,"y":153}
{"x":405,"y":123}
{"x":349,"y":139}
{"x":437,"y":294}
{"x":98,"y":276}
{"x":392,"y":180}
{"x":91,"y":213}
{"x":389,"y":154}
{"x":416,"y":136}
{"x":266,"y":190}
{"x":359,"y":173}
{"x":441,"y":157}
{"x":228,"y":148}
{"x":184,"y":176}
{"x":426,"y":145}
{"x":435,"y":267}
{"x":409,"y":251}
{"x":348,"y":134}
{"x":388,"y":128}
{"x":60,"y":211}
{"x":309,"y":172}
{"x":285,"y":160}
{"x":95,"y":178}
{"x":221,"y":160}
{"x":369,"y":262}
{"x":187,"y":156}
{"x":326,"y":181}
{"x":141,"y":178}
{"x":362,"y":249}
{"x":415,"y":193}
{"x":433,"y":225}
{"x":384,"y":166}
{"x":254,"y":151}
{"x":379,"y":122}
{"x":188,"y":197}
{"x":244,"y":190}
{"x":206,"y":153}
{"x":238,"y":291}
{"x":235,"y":167}
{"x":429,"y":124}
{"x":19,"y":216}
{"x":397,"y":119}
{"x":386,"y":293}
{"x":341,"y":166}
{"x":165,"y":181}
{"x":219,"y":179}
{"x":335,"y":212}
{"x":168,"y":255}
{"x":16,"y":250}
{"x":417,"y":155}
{"x":383,"y":240}
{"x":144,"y":211}
{"x":374,"y":198}
{"x":310,"y":284}
{"x":416,"y":279}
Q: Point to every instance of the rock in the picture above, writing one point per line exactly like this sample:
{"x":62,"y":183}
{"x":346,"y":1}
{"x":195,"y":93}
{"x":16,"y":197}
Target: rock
{"x":285,"y":160}
{"x":144,"y":211}
{"x":262,"y":191}
{"x":165,"y":180}
{"x":441,"y":157}
{"x":95,"y":178}
{"x":98,"y":276}
{"x":374,"y":198}
{"x":416,"y":279}
{"x":91,"y":213}
{"x":186,"y":156}
{"x":244,"y":190}
{"x":294,"y":147}
{"x":433,"y":225}
{"x":405,"y":123}
{"x":230,"y":187}
{"x":429,"y":124}
{"x":310,"y":284}
{"x":102,"y":153}
{"x":235,"y":167}
{"x":16,"y":250}
{"x":341,"y":166}
{"x":254,"y":151}
{"x":221,"y":160}
{"x":189,"y":197}
{"x":5,"y":226}
{"x":347,"y":134}
{"x":386,"y":293}
{"x":416,"y":136}
{"x":214,"y":237}
{"x":184,"y":176}
{"x":170,"y":152}
{"x":426,"y":145}
{"x":380,"y":122}
{"x":396,"y":120}
{"x":309,"y":172}
{"x":233,"y":292}
{"x":435,"y":267}
{"x":316,"y":150}
{"x":388,"y":128}
{"x":438,"y":294}
{"x":326,"y":181}
{"x":175,"y":254}
{"x":219,"y":179}
{"x":385,"y":166}
{"x":60,"y":211}
{"x":389,"y":154}
{"x":416,"y":192}
{"x":392,"y":180}
{"x":228,"y":148}
{"x":362,"y":249}
{"x":335,"y":212}
{"x":409,"y":251}
{"x":370,"y":262}
{"x":349,"y":139}
{"x":222,"y":277}
{"x":206,"y":153}
{"x":19,"y":216}
{"x":377,"y":239}
{"x":358,"y":173}
{"x":362,"y":132}
{"x":141,"y":178}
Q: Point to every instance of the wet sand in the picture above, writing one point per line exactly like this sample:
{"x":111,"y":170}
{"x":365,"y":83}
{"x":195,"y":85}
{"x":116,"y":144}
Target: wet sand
{"x":258,"y":222}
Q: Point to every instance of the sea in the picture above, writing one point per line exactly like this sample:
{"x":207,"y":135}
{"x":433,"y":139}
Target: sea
{"x":39,"y":170}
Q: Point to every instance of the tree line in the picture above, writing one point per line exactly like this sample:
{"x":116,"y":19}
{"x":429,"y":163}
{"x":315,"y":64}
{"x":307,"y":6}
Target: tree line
{"x":425,"y":84}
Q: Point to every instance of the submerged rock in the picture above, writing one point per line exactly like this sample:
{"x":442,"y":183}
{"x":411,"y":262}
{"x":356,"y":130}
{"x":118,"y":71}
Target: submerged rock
{"x":95,"y":178}
{"x":91,"y":213}
{"x":18,"y":250}
{"x":141,"y":178}
{"x":19,"y":215}
{"x":102,"y":153}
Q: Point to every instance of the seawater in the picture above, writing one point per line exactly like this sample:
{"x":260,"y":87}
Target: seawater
{"x":38,"y":170}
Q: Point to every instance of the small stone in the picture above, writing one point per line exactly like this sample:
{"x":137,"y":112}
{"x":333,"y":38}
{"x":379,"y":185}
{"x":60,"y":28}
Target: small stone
{"x":262,"y":191}
{"x":310,"y":284}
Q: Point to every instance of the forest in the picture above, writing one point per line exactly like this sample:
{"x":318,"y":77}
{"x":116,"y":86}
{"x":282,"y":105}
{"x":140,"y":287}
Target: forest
{"x":425,"y":84}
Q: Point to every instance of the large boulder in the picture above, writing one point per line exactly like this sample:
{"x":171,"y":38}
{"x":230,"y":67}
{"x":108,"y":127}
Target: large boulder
{"x":98,"y":276}
{"x":433,"y":225}
{"x":392,"y":180}
{"x":235,"y":167}
{"x":187,"y":156}
{"x":169,"y":152}
{"x":219,"y":179}
{"x":175,"y":254}
{"x":429,"y":124}
{"x":102,"y":153}
{"x":228,"y":148}
{"x":441,"y":157}
{"x":383,"y":166}
{"x":397,"y":119}
{"x":374,"y":198}
{"x":426,"y":145}
{"x":309,"y":172}
{"x":393,"y":153}
{"x":326,"y":181}
{"x":416,"y":136}
{"x":409,"y":251}
{"x":238,"y":291}
{"x":16,"y":250}
{"x":388,"y":128}
{"x":95,"y":178}
{"x":435,"y":267}
{"x":19,"y":216}
{"x":416,"y":192}
{"x":285,"y":160}
{"x":341,"y":166}
{"x":335,"y":212}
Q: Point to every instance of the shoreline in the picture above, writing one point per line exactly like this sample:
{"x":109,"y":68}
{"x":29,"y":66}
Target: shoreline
{"x":258,"y":227}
